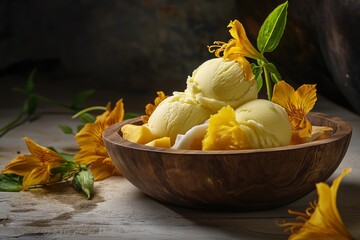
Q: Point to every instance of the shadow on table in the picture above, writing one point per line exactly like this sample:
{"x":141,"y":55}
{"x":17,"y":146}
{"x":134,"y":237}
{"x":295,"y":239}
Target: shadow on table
{"x":262,"y":224}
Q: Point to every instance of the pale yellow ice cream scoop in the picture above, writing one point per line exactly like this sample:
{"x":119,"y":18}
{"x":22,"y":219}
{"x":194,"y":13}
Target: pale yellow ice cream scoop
{"x":256,"y":124}
{"x":176,"y":115}
{"x":264,"y":124}
{"x":218,"y":82}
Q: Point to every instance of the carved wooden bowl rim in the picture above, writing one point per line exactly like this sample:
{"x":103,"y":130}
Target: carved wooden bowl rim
{"x":239,"y":179}
{"x":340,"y":127}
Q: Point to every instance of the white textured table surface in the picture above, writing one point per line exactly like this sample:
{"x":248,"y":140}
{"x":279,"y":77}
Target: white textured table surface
{"x":120,"y":211}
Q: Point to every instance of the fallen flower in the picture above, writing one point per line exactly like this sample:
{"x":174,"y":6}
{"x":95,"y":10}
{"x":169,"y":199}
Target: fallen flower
{"x":321,"y":220}
{"x":36,"y":167}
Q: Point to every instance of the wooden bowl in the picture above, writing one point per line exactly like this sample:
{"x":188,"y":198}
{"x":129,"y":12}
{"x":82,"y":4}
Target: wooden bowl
{"x":232,"y":179}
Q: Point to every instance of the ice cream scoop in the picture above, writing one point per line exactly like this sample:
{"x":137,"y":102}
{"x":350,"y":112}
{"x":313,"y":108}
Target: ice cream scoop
{"x":176,"y":115}
{"x":264,"y":124}
{"x":214,"y":84}
{"x":219,"y":82}
{"x":256,"y":124}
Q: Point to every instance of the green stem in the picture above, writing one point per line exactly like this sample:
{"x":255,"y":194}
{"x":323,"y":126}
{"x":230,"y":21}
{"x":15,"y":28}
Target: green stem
{"x":88,"y":110}
{"x":268,"y":83}
{"x":12,"y":123}
{"x":44,"y":99}
{"x":71,"y":173}
{"x":46,"y":184}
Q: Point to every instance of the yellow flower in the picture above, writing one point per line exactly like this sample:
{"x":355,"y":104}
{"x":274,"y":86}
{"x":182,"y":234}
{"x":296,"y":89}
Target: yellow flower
{"x":224,"y":132}
{"x":35,"y":168}
{"x":322,"y":220}
{"x":237,"y":48}
{"x":92,"y":148}
{"x":150,"y":108}
{"x":297,"y":104}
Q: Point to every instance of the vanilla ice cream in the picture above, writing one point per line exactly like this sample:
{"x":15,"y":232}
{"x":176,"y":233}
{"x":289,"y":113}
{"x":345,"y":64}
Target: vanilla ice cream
{"x":218,"y":82}
{"x":176,"y":115}
{"x":214,"y":84}
{"x":264,"y":124}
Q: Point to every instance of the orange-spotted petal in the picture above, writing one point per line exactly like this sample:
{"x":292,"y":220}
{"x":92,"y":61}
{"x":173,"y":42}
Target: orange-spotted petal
{"x":305,"y":97}
{"x":297,"y":104}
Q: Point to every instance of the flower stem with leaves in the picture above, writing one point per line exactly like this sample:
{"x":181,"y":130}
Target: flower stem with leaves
{"x":45,"y":167}
{"x":239,"y":47}
{"x":32,"y":98}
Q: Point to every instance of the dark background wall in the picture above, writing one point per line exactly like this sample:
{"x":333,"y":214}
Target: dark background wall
{"x":134,"y":48}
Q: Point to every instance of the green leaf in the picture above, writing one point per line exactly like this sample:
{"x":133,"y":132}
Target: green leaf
{"x":53,"y":149}
{"x":272,"y":29}
{"x":130,"y":115}
{"x":30,"y":106}
{"x":68,"y":157}
{"x":79,"y":127}
{"x":29,"y":86}
{"x":69,"y":166}
{"x":66,"y":129}
{"x":80,"y":98}
{"x":87,"y":118}
{"x":10,"y":183}
{"x":65,"y":168}
{"x":274,"y":73}
{"x":84,"y":182}
{"x":257,"y":70}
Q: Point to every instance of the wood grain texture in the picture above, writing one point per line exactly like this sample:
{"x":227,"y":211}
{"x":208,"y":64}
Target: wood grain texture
{"x":238,"y":179}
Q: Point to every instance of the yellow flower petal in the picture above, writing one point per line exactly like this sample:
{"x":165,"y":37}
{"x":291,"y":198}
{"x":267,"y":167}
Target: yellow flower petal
{"x":37,"y":176}
{"x":297,"y":104}
{"x":92,"y":148}
{"x":35,"y":168}
{"x":305,"y":96}
{"x":282,"y":93}
{"x":223,"y":132}
{"x":103,"y":168}
{"x":238,"y":46}
{"x":150,"y":108}
{"x":44,"y":154}
{"x":317,"y":132}
{"x":237,"y":31}
{"x":22,"y":165}
{"x":116,"y":115}
{"x":325,"y":222}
